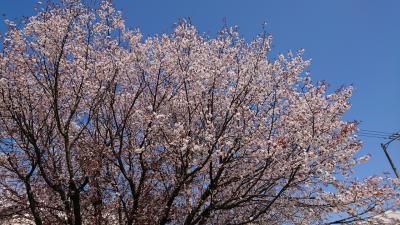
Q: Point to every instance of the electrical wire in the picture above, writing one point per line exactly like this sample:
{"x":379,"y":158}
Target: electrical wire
{"x":372,"y":136}
{"x":379,"y":134}
{"x":375,"y":132}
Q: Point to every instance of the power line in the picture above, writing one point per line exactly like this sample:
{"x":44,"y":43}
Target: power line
{"x":375,"y":135}
{"x":377,"y":132}
{"x":389,"y":136}
{"x":367,"y":136}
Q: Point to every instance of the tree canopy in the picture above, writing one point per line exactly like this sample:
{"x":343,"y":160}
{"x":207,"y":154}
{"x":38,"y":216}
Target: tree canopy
{"x":100,"y":125}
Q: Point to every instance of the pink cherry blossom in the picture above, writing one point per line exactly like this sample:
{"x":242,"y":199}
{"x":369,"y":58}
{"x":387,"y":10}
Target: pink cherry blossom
{"x":99,"y":125}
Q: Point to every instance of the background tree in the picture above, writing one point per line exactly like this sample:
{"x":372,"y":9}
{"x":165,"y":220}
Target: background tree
{"x":99,"y":125}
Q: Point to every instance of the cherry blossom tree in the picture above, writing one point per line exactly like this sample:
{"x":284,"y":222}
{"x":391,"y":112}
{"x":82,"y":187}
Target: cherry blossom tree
{"x":99,"y":125}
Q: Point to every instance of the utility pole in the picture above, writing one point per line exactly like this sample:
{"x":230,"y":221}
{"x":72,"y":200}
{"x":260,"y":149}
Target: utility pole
{"x":384,"y":147}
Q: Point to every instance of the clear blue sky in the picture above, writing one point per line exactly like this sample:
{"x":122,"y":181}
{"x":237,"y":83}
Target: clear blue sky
{"x":349,"y":41}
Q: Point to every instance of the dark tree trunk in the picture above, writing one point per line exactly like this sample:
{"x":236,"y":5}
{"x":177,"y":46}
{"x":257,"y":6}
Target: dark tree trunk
{"x":32,"y":204}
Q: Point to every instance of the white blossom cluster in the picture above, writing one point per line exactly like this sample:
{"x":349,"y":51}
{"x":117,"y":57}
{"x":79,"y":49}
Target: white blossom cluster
{"x":99,"y":125}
